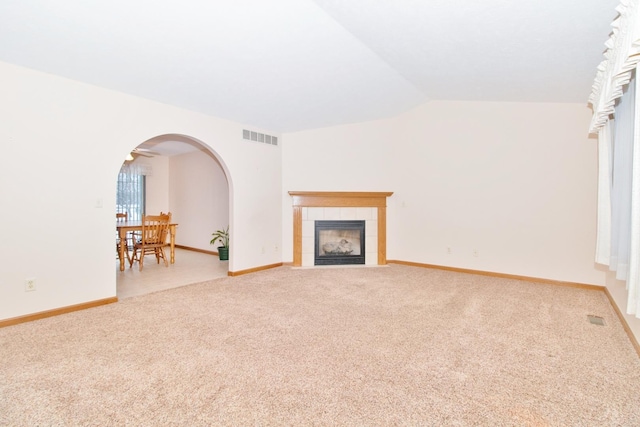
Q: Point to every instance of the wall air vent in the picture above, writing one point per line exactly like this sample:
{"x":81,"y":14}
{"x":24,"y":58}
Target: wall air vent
{"x":250,"y":135}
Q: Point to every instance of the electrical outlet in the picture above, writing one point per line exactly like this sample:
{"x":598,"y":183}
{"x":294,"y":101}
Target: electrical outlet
{"x":476,"y":253}
{"x":277,"y":248}
{"x":449,"y":250}
{"x":30,"y":285}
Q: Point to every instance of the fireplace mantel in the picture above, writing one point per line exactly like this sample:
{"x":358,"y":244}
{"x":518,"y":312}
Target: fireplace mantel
{"x":339,"y":199}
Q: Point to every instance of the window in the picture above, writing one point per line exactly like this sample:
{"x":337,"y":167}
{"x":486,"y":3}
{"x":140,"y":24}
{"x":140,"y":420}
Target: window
{"x":130,"y":194}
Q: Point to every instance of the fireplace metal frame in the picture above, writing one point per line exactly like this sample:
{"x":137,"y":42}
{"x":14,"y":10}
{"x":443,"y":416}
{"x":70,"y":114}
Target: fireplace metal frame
{"x":358,"y":225}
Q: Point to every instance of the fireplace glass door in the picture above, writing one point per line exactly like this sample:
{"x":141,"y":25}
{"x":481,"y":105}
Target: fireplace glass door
{"x":339,"y":242}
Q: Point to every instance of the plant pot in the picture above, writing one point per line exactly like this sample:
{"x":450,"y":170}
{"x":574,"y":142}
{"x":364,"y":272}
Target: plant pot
{"x":223,"y":253}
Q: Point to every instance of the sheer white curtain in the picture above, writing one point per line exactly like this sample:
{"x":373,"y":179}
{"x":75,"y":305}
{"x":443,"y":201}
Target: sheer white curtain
{"x":618,"y":236}
{"x":621,"y":188}
{"x":619,"y":216}
{"x":615,"y":94}
{"x":603,"y":235}
{"x":633,"y":280}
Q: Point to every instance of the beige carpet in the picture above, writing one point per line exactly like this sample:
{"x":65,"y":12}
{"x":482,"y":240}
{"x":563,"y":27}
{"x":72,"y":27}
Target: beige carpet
{"x":393,"y":345}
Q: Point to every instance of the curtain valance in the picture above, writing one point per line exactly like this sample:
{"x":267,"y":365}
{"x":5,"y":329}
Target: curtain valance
{"x":621,"y":56}
{"x":137,"y":168}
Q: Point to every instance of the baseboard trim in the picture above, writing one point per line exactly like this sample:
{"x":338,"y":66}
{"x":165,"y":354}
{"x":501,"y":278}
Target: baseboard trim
{"x":625,"y":325}
{"x":501,"y":275}
{"x":254,"y":270}
{"x":188,"y":248}
{"x":56,"y":312}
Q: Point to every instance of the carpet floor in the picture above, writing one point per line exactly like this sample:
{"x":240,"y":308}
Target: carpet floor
{"x":369,"y":346}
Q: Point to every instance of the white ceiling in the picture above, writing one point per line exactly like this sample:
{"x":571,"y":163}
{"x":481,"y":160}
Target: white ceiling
{"x":286,"y":65}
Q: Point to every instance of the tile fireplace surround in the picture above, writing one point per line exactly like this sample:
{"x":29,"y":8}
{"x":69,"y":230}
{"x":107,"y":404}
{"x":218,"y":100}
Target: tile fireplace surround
{"x":309,"y":206}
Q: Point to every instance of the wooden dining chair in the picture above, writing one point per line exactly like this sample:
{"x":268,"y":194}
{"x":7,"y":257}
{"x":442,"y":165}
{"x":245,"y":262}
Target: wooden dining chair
{"x":168,"y":214}
{"x":122,"y":217}
{"x":153,"y":239}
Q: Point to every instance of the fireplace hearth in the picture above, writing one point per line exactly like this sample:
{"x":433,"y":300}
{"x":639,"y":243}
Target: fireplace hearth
{"x":339,"y":242}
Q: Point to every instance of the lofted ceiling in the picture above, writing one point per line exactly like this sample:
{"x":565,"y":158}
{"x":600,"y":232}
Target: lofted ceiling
{"x":287,"y":65}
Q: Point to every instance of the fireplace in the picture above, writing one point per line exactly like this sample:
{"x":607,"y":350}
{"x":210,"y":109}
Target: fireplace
{"x":339,"y":242}
{"x":311,"y":206}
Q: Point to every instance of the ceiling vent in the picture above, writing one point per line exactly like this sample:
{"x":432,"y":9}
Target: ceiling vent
{"x":250,"y":135}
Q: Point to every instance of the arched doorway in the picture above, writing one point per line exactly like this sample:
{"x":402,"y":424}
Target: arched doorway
{"x":184,"y":176}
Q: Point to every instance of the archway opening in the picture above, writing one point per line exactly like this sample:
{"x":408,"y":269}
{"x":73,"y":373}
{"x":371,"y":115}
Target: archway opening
{"x":186,"y":177}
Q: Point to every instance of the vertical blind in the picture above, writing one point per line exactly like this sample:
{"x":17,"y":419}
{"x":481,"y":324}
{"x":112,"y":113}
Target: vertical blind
{"x":130,"y":194}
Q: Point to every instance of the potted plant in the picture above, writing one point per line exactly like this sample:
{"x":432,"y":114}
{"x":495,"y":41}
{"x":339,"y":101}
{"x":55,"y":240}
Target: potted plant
{"x":223,"y":237}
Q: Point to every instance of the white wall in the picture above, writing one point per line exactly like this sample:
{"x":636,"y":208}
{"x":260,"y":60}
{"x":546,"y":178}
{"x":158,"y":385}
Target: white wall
{"x":63,"y":143}
{"x":156,"y":184}
{"x":199,"y":195}
{"x":513,"y":181}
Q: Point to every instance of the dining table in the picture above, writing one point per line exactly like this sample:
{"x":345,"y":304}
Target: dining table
{"x":124,"y":227}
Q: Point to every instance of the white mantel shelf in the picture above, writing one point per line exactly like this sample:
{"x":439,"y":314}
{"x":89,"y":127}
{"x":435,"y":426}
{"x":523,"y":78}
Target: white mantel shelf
{"x":339,"y":199}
